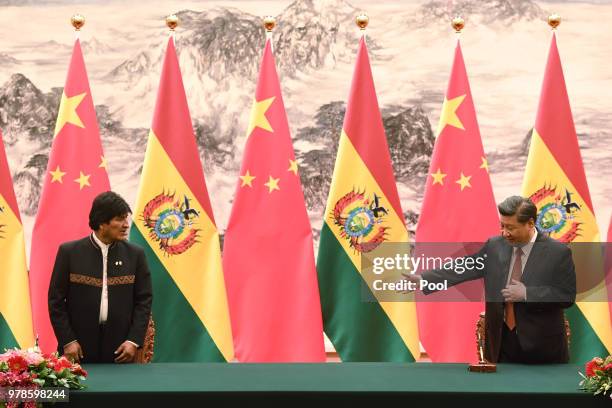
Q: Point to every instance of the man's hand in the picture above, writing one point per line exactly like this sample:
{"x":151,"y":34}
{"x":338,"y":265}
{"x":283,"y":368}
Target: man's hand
{"x":411,"y":277}
{"x":73,"y":352}
{"x":515,"y":292}
{"x":125,"y":353}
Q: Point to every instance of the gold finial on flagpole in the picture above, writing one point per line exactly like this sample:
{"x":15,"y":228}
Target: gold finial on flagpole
{"x":269,"y":23}
{"x":172,"y":21}
{"x":362,"y":21}
{"x":77,"y":21}
{"x":458,"y":23}
{"x":554,"y":20}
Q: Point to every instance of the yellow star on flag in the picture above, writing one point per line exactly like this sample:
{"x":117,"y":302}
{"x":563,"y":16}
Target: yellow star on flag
{"x":83,"y":180}
{"x":57,"y":175}
{"x":258,"y":115}
{"x":247,"y":179}
{"x":293,"y":166}
{"x":67,"y":112}
{"x":464,"y":181}
{"x":272,"y":184}
{"x":485,"y":164}
{"x":449,"y":114}
{"x":103,"y":162}
{"x":438,"y":177}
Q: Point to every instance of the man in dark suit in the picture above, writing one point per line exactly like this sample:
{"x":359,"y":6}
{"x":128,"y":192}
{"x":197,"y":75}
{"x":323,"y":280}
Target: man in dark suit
{"x":100,"y":292}
{"x":529,"y":279}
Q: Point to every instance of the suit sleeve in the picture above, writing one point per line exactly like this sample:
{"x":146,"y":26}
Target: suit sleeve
{"x":563,"y":292}
{"x":143,"y":298}
{"x":455,"y":276}
{"x":58,"y":291}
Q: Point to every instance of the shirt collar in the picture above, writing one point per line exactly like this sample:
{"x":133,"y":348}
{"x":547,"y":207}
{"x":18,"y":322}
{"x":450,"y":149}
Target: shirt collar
{"x":528,"y":246}
{"x":101,"y":244}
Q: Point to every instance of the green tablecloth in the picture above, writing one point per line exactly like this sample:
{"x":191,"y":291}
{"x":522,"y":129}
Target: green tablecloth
{"x":183,"y":383}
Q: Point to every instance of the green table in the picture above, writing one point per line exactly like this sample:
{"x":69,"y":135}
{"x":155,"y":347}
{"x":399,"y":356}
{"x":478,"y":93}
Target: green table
{"x":180,"y":384}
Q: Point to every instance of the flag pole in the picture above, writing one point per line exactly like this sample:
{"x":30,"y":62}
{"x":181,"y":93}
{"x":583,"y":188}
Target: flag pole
{"x":77,"y":21}
{"x":172,"y":21}
{"x":362,"y":21}
{"x":269,"y":23}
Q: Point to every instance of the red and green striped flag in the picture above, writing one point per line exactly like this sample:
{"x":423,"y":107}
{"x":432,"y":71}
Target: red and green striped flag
{"x":556,"y":182}
{"x":173,"y":221}
{"x":15,"y":313}
{"x":362,"y":330}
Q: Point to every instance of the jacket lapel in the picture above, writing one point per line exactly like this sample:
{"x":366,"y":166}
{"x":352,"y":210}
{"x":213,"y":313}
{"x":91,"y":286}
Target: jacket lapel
{"x":96,"y":252}
{"x":536,"y":256}
{"x":504,"y":260}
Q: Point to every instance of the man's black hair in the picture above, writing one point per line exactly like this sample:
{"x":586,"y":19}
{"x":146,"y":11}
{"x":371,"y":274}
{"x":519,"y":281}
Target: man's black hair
{"x":105,"y":207}
{"x":521,"y":206}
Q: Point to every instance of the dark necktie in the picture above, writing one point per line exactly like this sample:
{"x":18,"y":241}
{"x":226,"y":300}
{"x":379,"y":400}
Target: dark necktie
{"x":516,"y":275}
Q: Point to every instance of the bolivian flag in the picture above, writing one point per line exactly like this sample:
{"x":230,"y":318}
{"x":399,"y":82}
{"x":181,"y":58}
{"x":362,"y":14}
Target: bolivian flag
{"x":363,"y":211}
{"x":15,"y":313}
{"x":174,"y":222}
{"x":608,"y":267}
{"x":556,"y":182}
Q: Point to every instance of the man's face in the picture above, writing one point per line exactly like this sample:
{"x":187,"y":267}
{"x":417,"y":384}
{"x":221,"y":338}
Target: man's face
{"x":514,"y":232}
{"x":116,"y":229}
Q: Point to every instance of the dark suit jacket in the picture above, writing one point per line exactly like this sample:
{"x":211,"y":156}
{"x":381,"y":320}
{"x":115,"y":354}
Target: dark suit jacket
{"x":75,"y":293}
{"x":550,"y":279}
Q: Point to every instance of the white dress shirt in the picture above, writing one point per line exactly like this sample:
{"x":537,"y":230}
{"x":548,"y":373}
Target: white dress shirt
{"x":104,"y":298}
{"x":526,"y":250}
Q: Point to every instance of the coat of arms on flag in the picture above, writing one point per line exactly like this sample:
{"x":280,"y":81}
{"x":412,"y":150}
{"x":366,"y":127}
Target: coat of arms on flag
{"x":170,"y":221}
{"x":360,"y":219}
{"x":559,"y":214}
{"x":1,"y":225}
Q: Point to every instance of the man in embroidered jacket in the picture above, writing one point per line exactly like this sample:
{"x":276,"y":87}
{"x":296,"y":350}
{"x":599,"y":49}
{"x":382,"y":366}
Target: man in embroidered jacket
{"x":100,"y":292}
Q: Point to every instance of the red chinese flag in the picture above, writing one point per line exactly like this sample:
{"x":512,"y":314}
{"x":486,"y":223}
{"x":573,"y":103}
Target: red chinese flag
{"x":458,"y":206}
{"x":268,"y":254}
{"x":76,"y":173}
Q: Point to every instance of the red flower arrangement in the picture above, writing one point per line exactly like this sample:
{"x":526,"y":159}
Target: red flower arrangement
{"x":17,"y":363}
{"x":31,"y":369}
{"x":598,"y":378}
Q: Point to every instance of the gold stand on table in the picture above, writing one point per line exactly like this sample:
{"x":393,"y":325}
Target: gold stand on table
{"x":483,"y":366}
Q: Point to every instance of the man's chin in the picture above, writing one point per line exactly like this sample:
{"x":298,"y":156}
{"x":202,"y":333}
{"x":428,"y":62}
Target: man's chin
{"x":512,"y":243}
